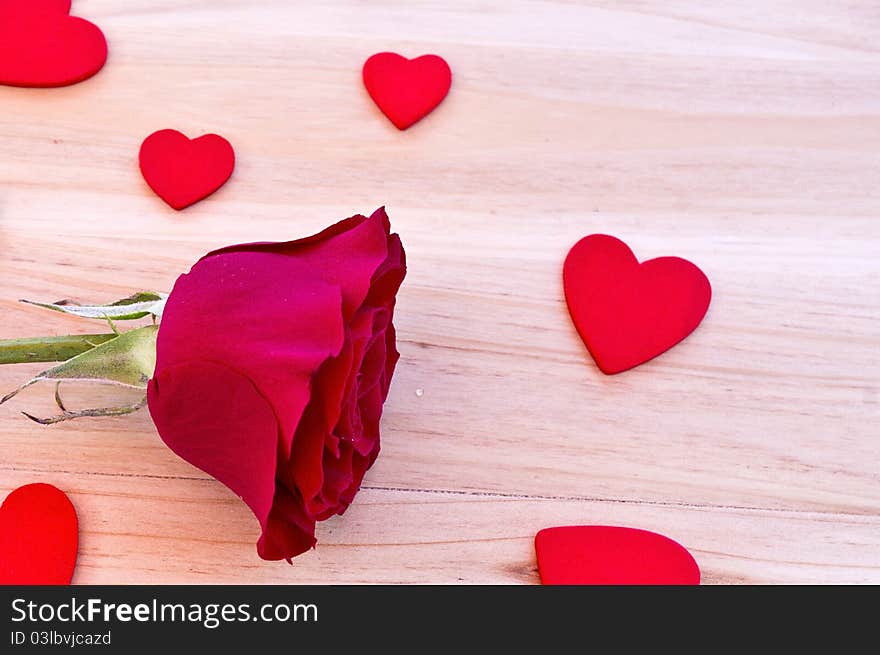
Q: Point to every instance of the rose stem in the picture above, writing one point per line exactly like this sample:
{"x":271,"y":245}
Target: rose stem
{"x":49,"y":349}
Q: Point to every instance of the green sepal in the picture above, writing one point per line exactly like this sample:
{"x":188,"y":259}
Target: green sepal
{"x":139,"y":305}
{"x":128,"y":360}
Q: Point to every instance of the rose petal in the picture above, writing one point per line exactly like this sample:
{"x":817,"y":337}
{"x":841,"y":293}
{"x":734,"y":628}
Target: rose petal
{"x":388,"y":277}
{"x":272,"y":322}
{"x":346,"y":254}
{"x":392,"y":357}
{"x":214,"y":418}
{"x":289,"y":531}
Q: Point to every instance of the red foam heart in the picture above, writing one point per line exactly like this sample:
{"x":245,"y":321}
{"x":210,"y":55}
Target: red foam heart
{"x":38,"y":537}
{"x":41,"y":45}
{"x":183,"y":171}
{"x":605,"y":555}
{"x":626,"y":312}
{"x":406,"y":90}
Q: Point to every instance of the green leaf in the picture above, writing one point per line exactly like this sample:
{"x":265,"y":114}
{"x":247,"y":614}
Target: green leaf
{"x":139,"y":305}
{"x":128,"y":360}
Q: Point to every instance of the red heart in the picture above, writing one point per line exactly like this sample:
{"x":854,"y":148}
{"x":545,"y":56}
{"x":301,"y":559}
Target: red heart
{"x":604,"y":555}
{"x":38,"y":537}
{"x":41,"y":45}
{"x":406,"y":90}
{"x":626,"y":312}
{"x":183,"y":171}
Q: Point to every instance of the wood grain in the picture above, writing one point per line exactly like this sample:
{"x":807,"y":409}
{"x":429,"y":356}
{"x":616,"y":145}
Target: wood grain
{"x":743,"y":136}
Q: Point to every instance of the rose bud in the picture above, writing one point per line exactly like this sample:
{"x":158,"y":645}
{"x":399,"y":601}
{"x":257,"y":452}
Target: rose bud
{"x":273,"y":361}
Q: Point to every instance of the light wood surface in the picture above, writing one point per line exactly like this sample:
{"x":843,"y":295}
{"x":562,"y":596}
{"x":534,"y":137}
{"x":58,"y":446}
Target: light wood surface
{"x":743,"y":136}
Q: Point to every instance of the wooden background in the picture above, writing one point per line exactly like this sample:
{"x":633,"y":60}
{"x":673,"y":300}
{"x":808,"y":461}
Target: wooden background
{"x":743,"y":136}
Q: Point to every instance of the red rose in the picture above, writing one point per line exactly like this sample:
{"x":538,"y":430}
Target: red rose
{"x":273,"y":362}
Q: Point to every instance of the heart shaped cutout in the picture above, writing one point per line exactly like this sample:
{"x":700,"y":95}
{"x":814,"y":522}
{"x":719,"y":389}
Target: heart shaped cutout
{"x":628,"y":313}
{"x":183,"y":171}
{"x":42,"y":45}
{"x":608,"y":555}
{"x":406,"y":90}
{"x":38,"y":537}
